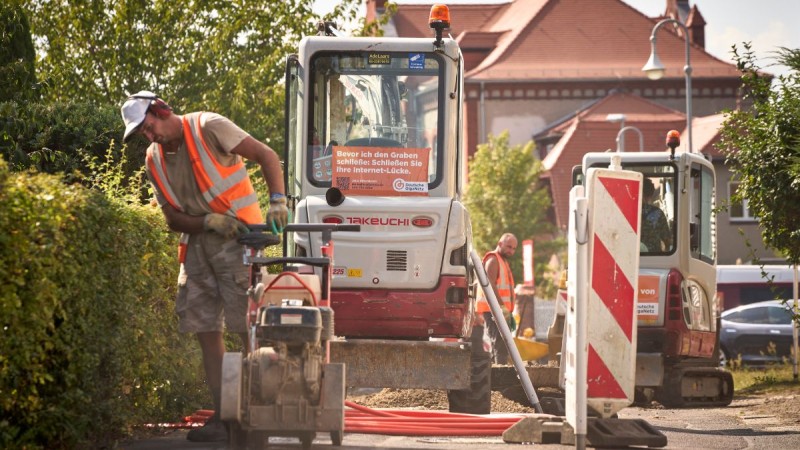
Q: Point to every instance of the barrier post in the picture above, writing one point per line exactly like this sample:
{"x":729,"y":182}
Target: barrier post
{"x":573,"y":359}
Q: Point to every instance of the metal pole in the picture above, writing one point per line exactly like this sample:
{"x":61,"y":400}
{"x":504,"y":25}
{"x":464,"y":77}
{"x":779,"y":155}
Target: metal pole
{"x":621,"y":136}
{"x":687,"y":70}
{"x":581,"y":303}
{"x":794,"y":322}
{"x":482,"y":115}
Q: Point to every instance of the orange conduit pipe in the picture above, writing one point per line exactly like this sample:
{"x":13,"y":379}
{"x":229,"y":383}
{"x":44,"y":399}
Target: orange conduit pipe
{"x":361,"y":419}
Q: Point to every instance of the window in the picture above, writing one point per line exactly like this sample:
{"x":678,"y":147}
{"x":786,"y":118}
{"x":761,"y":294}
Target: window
{"x":779,"y":315}
{"x":373,"y":106}
{"x":752,"y":315}
{"x":659,"y":204}
{"x":738,"y":209}
{"x":702,"y":220}
{"x":658,"y":211}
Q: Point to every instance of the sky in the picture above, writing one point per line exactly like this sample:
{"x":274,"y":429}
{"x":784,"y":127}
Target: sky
{"x":767,"y":24}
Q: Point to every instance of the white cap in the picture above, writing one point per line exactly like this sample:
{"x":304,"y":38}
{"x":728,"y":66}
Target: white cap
{"x":134,"y":110}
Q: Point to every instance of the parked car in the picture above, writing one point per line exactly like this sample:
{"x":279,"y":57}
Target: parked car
{"x":759,"y":333}
{"x":744,"y":284}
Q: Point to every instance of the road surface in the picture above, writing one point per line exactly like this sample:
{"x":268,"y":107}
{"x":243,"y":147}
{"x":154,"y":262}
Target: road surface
{"x":735,"y":427}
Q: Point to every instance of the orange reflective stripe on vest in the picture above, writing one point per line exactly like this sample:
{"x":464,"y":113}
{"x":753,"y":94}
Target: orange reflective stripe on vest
{"x":155,"y":162}
{"x":227,"y":190}
{"x":504,"y":284}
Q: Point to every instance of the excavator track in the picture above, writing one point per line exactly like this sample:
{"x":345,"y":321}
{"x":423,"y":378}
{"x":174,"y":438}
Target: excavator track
{"x":696,"y":387}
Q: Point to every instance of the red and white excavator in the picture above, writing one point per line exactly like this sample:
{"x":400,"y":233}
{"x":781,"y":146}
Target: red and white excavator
{"x":678,"y":330}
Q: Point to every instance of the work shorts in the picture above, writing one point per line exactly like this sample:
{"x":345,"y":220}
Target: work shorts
{"x":212,"y":286}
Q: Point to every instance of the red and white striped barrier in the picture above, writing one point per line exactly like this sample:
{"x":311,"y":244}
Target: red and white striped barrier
{"x":602,"y":289}
{"x":614,"y":210}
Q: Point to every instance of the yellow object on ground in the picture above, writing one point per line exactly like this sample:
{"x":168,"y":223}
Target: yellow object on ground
{"x":530,"y":350}
{"x":528,"y":333}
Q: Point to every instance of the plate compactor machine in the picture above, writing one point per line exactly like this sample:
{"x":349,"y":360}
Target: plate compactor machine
{"x":284,"y":385}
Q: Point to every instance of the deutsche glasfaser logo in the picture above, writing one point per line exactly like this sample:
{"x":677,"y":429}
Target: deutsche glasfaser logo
{"x":401,"y":185}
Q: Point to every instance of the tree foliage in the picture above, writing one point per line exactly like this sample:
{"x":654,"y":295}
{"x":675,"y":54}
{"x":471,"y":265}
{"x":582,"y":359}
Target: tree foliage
{"x":17,"y":55}
{"x":762,"y":148}
{"x":503,"y":196}
{"x":222,"y":56}
{"x":59,"y":137}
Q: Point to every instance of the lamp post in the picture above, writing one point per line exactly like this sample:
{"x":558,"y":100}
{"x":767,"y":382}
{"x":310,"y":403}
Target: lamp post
{"x":617,"y":117}
{"x":655,"y":70}
{"x":621,"y":119}
{"x":621,"y":137}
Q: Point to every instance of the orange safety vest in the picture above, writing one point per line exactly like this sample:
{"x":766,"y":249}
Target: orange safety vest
{"x":504,"y":284}
{"x":226,"y":189}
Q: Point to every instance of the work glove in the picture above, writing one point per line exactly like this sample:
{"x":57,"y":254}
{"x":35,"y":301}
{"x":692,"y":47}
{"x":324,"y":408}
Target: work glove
{"x":226,"y":226}
{"x":512,"y":324}
{"x":278,"y":214}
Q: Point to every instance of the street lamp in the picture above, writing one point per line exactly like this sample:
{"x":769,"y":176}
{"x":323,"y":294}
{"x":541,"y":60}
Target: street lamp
{"x":617,"y":117}
{"x":621,"y":137}
{"x":655,"y":70}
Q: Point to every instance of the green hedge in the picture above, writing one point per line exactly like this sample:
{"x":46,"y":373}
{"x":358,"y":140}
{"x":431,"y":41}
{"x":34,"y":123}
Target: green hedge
{"x":63,"y":137}
{"x":88,"y":336}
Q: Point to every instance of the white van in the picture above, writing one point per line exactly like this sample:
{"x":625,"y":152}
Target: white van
{"x":744,"y":284}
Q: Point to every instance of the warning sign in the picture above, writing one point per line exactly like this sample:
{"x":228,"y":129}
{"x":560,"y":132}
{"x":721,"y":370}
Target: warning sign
{"x":380,"y":170}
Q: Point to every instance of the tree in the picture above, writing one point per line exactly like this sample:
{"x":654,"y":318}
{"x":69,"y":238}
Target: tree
{"x":17,"y":56}
{"x":762,"y":148}
{"x":503,"y":195}
{"x":223,"y":56}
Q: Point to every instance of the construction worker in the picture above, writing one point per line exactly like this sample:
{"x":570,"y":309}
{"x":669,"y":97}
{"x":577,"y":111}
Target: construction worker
{"x":502,"y":282}
{"x":656,"y":236}
{"x":195,"y":166}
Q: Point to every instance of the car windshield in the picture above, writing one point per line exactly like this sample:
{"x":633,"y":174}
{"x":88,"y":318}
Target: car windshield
{"x":375,"y":115}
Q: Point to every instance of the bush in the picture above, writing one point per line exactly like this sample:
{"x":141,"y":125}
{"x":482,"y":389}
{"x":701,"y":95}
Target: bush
{"x":89,"y":343}
{"x":62,"y":137}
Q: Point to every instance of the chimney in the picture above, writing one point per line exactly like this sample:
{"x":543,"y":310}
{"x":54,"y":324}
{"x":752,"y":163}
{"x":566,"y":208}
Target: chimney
{"x":375,"y":8}
{"x":697,"y":27}
{"x":678,"y":10}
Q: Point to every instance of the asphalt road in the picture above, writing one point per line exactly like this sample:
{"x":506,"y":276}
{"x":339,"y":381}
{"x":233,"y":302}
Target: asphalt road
{"x":711,"y":428}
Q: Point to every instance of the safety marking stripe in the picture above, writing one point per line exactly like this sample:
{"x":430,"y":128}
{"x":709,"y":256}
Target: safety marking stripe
{"x":613,"y":228}
{"x":612,"y":287}
{"x":609,"y":342}
{"x":625,"y":194}
{"x":601,"y":382}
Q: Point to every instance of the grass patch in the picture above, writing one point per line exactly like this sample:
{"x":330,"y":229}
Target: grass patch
{"x":755,"y":380}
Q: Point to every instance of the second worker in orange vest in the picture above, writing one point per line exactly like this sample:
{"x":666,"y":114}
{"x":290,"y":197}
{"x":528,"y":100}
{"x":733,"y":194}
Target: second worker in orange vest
{"x":195,"y":166}
{"x":502,"y":281}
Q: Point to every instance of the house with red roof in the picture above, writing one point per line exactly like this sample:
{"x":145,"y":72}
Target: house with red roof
{"x":558,"y":71}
